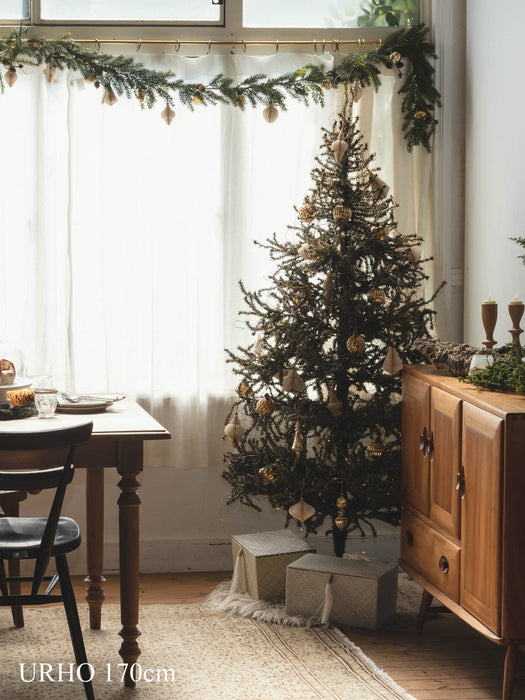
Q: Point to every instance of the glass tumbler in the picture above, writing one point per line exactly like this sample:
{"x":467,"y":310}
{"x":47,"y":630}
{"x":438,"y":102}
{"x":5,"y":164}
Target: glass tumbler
{"x":46,"y":402}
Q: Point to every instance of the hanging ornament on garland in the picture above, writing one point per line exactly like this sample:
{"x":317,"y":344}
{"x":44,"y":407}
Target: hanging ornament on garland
{"x":265,"y":406}
{"x":298,"y":443}
{"x":356,"y":344}
{"x":270,"y":113}
{"x":375,"y":450}
{"x":339,"y":147}
{"x":301,"y":511}
{"x":342,"y":213}
{"x":293,"y":382}
{"x":49,"y":72}
{"x":326,"y":84}
{"x":334,"y":405}
{"x":168,"y":114}
{"x":11,"y":76}
{"x":234,"y":429}
{"x":393,"y":362}
{"x":268,"y":475}
{"x":109,"y":96}
{"x":244,"y":390}
{"x":376,"y":296}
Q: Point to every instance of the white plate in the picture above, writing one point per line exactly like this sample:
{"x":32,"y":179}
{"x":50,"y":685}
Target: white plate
{"x":83,"y":406}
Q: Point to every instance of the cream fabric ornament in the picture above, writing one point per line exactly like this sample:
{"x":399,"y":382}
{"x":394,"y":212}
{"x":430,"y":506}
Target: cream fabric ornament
{"x":301,"y":511}
{"x":168,"y":114}
{"x":339,"y":147}
{"x":270,"y":113}
{"x":49,"y":72}
{"x":234,"y":429}
{"x":393,"y":363}
{"x":292,"y":381}
{"x":334,"y":405}
{"x":11,"y":76}
{"x":298,"y":443}
{"x":381,"y":189}
{"x":109,"y":96}
{"x":306,"y":251}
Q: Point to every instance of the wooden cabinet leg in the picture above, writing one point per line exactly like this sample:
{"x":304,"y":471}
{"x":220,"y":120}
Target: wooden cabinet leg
{"x":509,"y":673}
{"x":426,"y":602}
{"x":95,"y":544}
{"x":128,"y":503}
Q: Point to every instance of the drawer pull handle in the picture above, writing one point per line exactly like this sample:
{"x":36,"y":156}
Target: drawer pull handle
{"x":410,"y":539}
{"x":443,"y":565}
{"x":460,"y":483}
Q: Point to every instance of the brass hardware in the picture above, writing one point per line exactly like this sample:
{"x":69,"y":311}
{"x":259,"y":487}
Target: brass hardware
{"x":460,"y":482}
{"x":443,"y":565}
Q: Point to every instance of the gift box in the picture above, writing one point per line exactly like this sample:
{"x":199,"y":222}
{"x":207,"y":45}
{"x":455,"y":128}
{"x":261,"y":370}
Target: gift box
{"x":351,"y":592}
{"x":260,"y":561}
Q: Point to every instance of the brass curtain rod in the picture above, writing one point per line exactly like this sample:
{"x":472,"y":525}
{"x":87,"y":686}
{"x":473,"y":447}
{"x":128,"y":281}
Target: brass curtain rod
{"x":332,"y":45}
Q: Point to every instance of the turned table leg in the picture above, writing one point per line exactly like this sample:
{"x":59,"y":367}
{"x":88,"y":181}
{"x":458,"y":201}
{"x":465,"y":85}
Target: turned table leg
{"x":129,"y":503}
{"x":94,"y":544}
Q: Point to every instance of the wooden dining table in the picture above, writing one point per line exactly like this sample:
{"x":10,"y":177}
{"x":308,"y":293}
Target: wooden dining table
{"x":117,"y":442}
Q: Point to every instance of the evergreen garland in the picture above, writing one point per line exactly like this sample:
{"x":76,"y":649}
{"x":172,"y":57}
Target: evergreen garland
{"x":125,"y":76}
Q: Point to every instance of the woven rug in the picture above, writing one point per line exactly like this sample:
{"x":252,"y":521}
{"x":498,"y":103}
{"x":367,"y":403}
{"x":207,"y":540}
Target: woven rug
{"x":190,"y":652}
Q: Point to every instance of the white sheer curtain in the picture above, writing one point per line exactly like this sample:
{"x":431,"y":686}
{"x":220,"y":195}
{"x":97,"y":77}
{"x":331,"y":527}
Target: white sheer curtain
{"x":123,"y":239}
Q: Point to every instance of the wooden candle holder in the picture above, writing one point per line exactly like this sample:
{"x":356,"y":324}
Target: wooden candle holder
{"x":489,"y":316}
{"x":516,"y":312}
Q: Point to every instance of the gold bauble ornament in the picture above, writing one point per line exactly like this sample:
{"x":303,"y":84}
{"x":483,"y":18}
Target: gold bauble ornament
{"x":341,"y":503}
{"x":243,"y":390}
{"x":270,"y":113}
{"x":241,"y":101}
{"x":342,"y":213}
{"x":49,"y":72}
{"x":306,"y":213}
{"x":356,"y":344}
{"x":292,"y":381}
{"x":339,"y":147}
{"x":141,"y":94}
{"x":382,"y":233}
{"x":197,"y":100}
{"x":268,"y":475}
{"x":109,"y":96}
{"x":234,"y":429}
{"x":334,"y":405}
{"x":265,"y":406}
{"x":395,"y":57}
{"x":301,"y":511}
{"x":89,"y":78}
{"x":375,"y":450}
{"x":168,"y":114}
{"x":376,"y":296}
{"x":11,"y":76}
{"x":341,"y":522}
{"x":420,"y":114}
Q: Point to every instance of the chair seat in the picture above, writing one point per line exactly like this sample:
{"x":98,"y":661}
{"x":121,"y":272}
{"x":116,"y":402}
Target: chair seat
{"x":20,"y":537}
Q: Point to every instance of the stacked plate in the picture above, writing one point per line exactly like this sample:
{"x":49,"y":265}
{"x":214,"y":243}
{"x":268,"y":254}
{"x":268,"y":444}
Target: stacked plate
{"x":86,"y":404}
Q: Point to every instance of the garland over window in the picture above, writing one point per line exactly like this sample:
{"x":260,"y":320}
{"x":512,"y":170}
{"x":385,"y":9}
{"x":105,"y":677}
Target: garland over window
{"x":122,"y":75}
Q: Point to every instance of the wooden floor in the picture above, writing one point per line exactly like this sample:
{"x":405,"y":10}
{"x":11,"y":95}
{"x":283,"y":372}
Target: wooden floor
{"x":448,"y":661}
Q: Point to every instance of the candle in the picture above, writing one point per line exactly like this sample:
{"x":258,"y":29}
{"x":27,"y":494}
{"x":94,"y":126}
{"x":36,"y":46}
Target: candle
{"x":489,"y":315}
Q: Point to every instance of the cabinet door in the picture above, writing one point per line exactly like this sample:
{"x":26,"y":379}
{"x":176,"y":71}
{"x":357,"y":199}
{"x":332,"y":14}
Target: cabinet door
{"x":416,"y":414}
{"x":481,"y":515}
{"x":445,"y":460}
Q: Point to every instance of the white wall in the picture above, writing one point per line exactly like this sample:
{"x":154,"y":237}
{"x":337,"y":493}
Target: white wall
{"x":495,"y":153}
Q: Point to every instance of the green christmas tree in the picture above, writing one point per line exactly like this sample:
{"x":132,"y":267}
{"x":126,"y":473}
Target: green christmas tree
{"x":317,"y":423}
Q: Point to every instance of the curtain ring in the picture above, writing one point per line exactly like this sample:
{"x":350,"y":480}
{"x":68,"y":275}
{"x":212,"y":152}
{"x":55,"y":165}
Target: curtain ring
{"x":315,"y":45}
{"x":323,"y":47}
{"x":97,"y":42}
{"x":177,"y":45}
{"x":277,"y":46}
{"x":209,"y":46}
{"x":139,"y":45}
{"x":243,"y":44}
{"x":335,"y":46}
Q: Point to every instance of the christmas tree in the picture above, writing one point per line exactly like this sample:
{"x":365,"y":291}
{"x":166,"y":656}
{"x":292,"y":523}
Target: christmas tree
{"x":316,"y":427}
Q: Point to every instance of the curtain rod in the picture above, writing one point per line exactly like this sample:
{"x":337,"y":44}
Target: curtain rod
{"x":332,"y":45}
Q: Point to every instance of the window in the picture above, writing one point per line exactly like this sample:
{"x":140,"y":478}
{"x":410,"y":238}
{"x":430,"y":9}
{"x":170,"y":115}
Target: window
{"x":14,"y":10}
{"x":165,"y":11}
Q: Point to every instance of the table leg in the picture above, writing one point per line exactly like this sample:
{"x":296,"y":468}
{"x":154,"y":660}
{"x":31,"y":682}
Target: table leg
{"x":129,"y":503}
{"x":94,"y":544}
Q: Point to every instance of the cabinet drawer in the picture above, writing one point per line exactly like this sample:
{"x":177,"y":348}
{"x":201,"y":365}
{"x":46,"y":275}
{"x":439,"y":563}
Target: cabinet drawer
{"x":431,"y":554}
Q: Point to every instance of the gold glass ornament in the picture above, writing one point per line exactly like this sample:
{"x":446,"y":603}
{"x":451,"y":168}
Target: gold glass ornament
{"x":168,"y":114}
{"x":197,"y":100}
{"x":265,"y":406}
{"x":376,"y":296}
{"x":234,"y":429}
{"x":301,"y":511}
{"x":241,"y":101}
{"x":270,"y":113}
{"x":109,"y":96}
{"x":395,"y":57}
{"x":334,"y":405}
{"x":420,"y":114}
{"x":268,"y":475}
{"x":342,"y":213}
{"x":298,"y":443}
{"x":341,"y":503}
{"x":375,"y":450}
{"x":339,"y":147}
{"x":11,"y":76}
{"x":292,"y":381}
{"x":356,"y":344}
{"x":49,"y":72}
{"x":243,"y":390}
{"x":326,"y":84}
{"x":306,"y":213}
{"x":382,"y":233}
{"x":341,"y":521}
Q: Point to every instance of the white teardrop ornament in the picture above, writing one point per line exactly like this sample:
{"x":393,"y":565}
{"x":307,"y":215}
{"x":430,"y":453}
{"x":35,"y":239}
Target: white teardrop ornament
{"x":301,"y":511}
{"x":339,"y":147}
{"x":234,"y":429}
{"x":393,"y":363}
{"x":168,"y":114}
{"x":270,"y":113}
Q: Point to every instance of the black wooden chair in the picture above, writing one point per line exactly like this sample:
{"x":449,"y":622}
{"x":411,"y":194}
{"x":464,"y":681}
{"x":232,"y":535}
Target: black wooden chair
{"x":10,"y":504}
{"x":35,"y":461}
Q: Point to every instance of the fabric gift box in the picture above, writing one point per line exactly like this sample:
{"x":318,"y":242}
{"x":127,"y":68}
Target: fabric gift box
{"x":260,"y":561}
{"x":361,"y":593}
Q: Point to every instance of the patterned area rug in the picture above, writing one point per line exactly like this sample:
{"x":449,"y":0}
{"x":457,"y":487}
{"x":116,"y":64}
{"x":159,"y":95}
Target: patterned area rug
{"x":190,"y":652}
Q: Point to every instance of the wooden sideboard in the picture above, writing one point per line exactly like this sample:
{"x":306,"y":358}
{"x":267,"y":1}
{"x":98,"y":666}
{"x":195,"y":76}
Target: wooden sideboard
{"x":463,"y":504}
